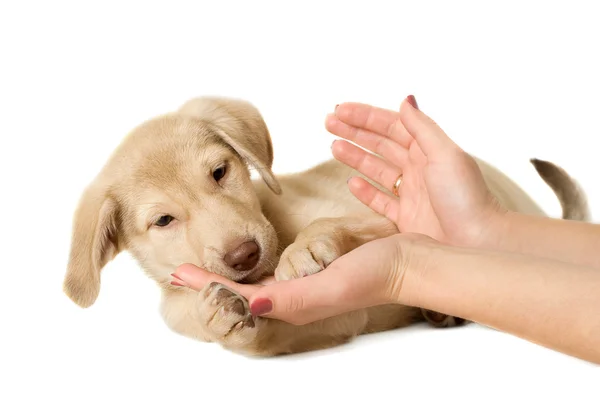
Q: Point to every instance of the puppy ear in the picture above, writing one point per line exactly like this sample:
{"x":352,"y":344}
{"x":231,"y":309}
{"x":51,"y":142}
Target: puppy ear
{"x":93,"y":244}
{"x":241,"y":125}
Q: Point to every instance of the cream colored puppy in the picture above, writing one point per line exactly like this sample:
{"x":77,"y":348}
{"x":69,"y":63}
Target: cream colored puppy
{"x":178,"y":190}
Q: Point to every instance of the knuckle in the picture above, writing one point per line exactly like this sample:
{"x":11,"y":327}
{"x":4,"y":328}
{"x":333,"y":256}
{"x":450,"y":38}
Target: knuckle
{"x":381,"y":173}
{"x":381,"y":204}
{"x":362,"y":162}
{"x":369,"y":120}
{"x":381,"y":145}
{"x":295,"y":304}
{"x":392,"y":128}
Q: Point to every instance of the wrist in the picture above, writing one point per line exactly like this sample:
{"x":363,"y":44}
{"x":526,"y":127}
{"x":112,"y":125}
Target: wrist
{"x":495,"y":231}
{"x":419,"y":264}
{"x":446,"y":280}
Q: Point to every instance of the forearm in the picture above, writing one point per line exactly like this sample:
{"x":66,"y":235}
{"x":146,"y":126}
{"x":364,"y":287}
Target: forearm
{"x":565,"y":240}
{"x":547,"y":302}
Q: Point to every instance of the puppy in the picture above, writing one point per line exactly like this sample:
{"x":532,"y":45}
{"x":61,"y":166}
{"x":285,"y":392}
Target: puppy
{"x":178,"y":190}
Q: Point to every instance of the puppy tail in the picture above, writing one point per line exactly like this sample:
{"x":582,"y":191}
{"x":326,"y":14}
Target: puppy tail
{"x":571,"y":196}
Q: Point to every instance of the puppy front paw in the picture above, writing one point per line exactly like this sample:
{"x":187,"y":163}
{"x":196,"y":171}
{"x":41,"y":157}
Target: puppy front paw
{"x":307,"y":256}
{"x":227,"y":316}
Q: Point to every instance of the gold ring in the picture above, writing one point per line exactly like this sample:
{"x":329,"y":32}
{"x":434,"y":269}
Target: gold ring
{"x":397,"y":185}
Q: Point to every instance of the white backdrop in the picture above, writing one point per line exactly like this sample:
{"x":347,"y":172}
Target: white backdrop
{"x":508,"y":82}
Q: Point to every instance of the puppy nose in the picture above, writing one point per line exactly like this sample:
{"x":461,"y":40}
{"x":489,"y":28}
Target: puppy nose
{"x":244,"y":257}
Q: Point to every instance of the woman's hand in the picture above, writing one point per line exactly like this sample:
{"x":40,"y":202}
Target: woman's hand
{"x":545,"y":301}
{"x":370,"y":275}
{"x":442,"y":193}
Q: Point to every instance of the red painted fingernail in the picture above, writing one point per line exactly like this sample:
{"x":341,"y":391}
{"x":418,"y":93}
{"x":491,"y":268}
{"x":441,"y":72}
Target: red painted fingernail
{"x":261,"y":306}
{"x":179,"y":282}
{"x":411,"y":100}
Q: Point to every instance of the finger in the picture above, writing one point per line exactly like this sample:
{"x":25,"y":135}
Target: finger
{"x":319,"y":296}
{"x":298,"y":301}
{"x":358,"y":279}
{"x":374,"y":198}
{"x":196,"y":278}
{"x":267,"y":280}
{"x":432,"y":140}
{"x":381,"y":121}
{"x":373,"y":142}
{"x":368,"y":164}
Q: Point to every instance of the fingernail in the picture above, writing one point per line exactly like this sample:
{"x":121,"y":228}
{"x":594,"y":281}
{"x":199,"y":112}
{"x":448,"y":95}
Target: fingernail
{"x":335,"y":109}
{"x":411,"y":100}
{"x":348,"y":180}
{"x":179,"y":281}
{"x":261,"y":306}
{"x":332,"y":143}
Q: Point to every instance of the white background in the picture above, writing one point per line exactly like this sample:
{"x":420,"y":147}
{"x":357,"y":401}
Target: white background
{"x":508,"y":82}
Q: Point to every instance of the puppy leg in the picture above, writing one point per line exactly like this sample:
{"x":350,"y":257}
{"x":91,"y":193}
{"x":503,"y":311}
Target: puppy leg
{"x":326,"y":239}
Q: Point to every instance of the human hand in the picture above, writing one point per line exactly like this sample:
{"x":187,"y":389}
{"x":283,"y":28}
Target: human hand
{"x":442,"y":194}
{"x":375,"y":273}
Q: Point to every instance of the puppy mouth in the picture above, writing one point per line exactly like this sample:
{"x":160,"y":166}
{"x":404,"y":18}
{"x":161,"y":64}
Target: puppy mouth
{"x":250,"y":276}
{"x":263,"y":267}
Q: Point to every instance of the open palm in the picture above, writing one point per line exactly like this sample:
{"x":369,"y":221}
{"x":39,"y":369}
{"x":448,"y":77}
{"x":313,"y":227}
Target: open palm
{"x":443,"y":193}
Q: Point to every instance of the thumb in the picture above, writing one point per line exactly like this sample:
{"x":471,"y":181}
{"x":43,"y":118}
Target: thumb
{"x":297,"y":301}
{"x":354,"y":281}
{"x":301,"y":301}
{"x":428,"y":135}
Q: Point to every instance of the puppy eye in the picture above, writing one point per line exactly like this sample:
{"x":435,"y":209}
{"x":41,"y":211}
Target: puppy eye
{"x":219,"y":173}
{"x":163,"y":221}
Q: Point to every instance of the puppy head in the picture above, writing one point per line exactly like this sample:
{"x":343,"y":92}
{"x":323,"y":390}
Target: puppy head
{"x":178,"y":190}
